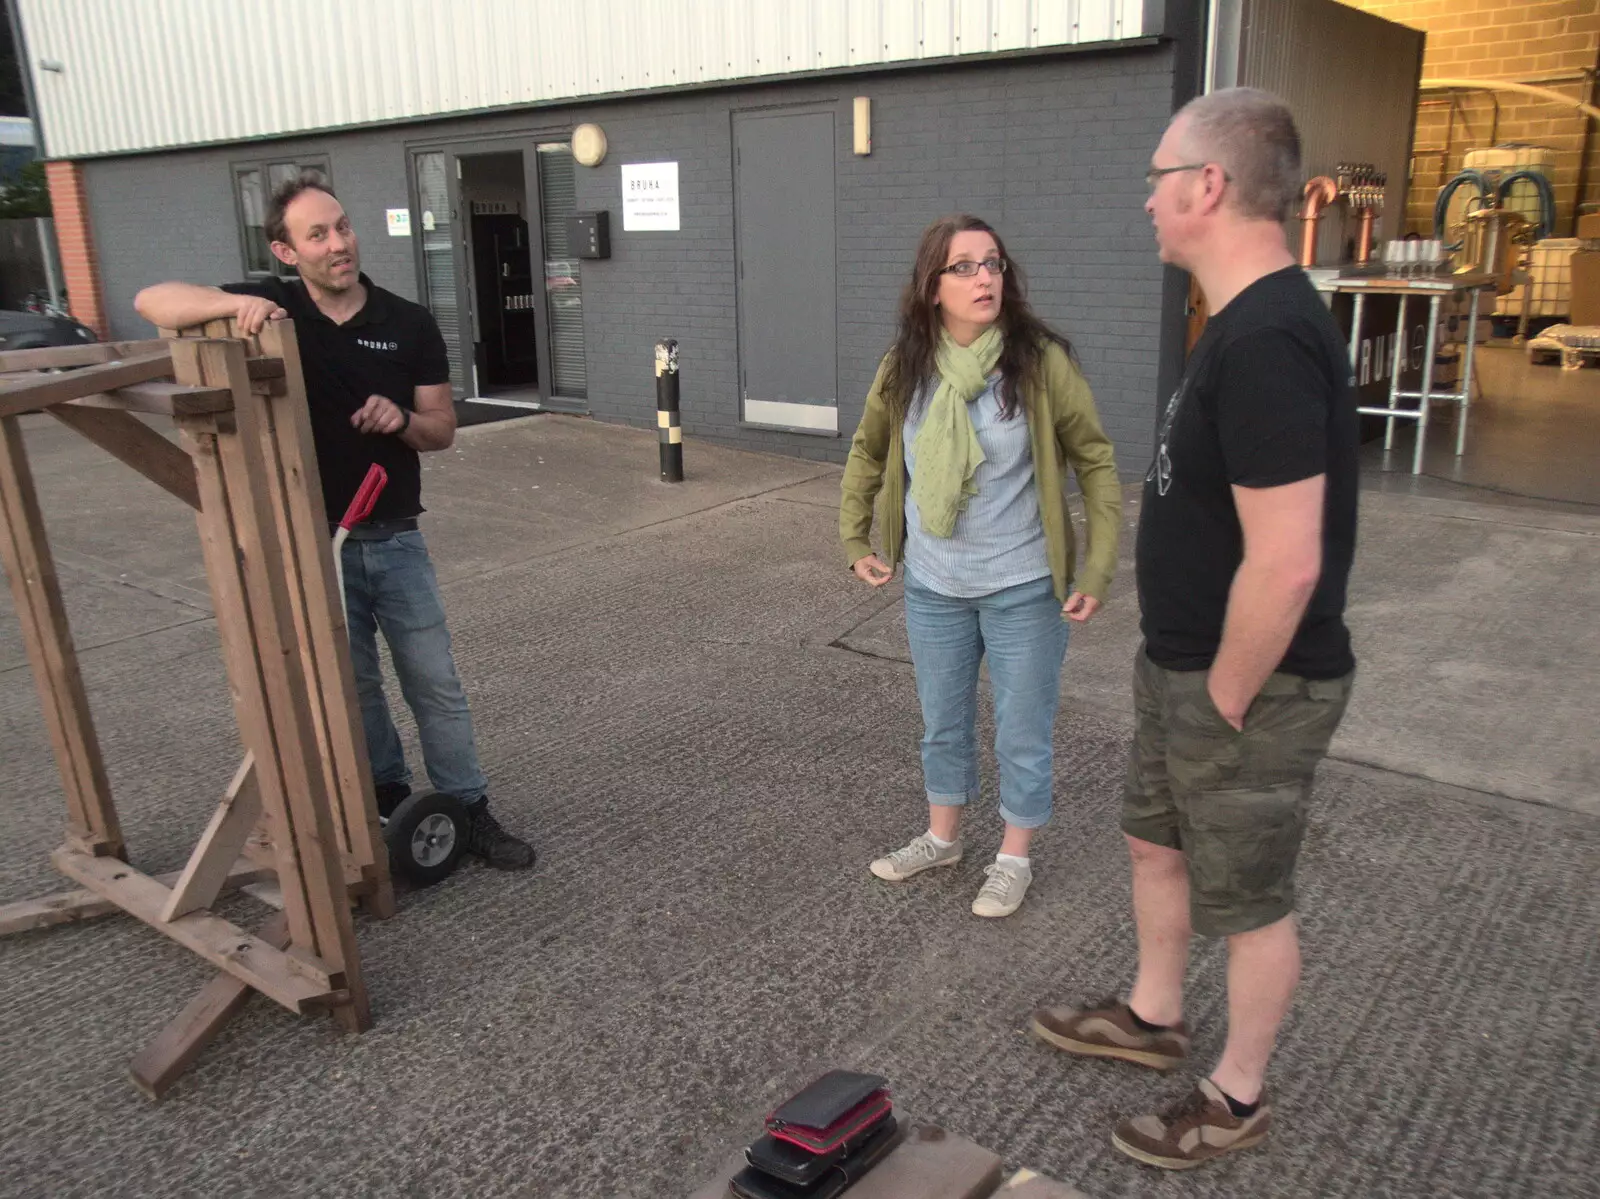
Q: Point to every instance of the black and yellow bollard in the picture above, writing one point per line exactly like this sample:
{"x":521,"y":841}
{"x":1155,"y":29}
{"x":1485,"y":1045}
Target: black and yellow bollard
{"x":667,"y":418}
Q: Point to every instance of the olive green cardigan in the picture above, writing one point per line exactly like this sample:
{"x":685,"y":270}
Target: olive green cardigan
{"x":1063,"y":428}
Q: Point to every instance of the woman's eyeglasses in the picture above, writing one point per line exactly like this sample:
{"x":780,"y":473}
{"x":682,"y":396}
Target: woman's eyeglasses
{"x":967,"y":268}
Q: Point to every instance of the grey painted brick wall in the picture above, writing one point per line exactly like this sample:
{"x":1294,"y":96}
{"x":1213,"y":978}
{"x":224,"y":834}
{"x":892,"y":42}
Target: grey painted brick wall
{"x":1052,"y":151}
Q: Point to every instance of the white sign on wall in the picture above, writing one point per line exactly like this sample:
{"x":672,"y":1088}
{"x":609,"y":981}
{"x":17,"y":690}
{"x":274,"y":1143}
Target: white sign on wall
{"x":650,"y":196}
{"x":399,"y":221}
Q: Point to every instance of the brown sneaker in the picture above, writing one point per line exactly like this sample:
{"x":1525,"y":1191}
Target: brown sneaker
{"x":1107,"y":1029}
{"x":1191,"y":1132}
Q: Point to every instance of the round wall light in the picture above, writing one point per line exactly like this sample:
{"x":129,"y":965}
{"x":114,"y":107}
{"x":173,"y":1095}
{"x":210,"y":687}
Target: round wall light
{"x":589,"y":145}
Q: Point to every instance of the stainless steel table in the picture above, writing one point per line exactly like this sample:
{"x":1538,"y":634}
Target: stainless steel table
{"x":1435,"y":290}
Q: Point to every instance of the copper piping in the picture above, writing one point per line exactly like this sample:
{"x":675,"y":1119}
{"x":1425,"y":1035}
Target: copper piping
{"x":1317,"y":195}
{"x":1364,"y":236}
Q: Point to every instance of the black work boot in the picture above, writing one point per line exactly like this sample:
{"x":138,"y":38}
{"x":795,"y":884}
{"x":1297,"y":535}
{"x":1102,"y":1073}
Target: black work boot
{"x":390,"y":797}
{"x":487,"y":840}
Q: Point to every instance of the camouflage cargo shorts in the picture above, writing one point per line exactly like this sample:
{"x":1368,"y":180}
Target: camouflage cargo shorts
{"x":1234,"y":802}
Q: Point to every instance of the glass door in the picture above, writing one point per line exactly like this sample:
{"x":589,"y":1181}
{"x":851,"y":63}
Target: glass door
{"x":450,"y":272}
{"x":563,"y":276}
{"x":444,"y":223}
{"x":441,"y":291}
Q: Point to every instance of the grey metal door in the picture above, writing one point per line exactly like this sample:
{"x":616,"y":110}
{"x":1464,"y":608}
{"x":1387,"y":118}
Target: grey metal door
{"x":784,"y":240}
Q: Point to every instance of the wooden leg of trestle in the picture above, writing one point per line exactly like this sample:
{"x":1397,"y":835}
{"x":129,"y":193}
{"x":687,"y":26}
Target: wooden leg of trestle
{"x":251,"y":584}
{"x":25,"y":550}
{"x":325,"y":635}
{"x":70,"y":907}
{"x":159,"y":1063}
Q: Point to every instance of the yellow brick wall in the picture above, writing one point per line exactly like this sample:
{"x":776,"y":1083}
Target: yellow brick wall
{"x":1502,"y":40}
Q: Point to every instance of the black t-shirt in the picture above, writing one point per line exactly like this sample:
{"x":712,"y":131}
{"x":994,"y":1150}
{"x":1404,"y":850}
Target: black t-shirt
{"x":1266,"y":400}
{"x":389,"y":348}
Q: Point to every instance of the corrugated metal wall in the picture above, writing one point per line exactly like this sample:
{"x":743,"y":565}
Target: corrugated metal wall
{"x":113,"y":76}
{"x":1351,"y":79}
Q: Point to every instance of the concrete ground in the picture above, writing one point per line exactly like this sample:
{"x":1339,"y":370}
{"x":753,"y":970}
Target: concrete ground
{"x":1533,"y":436}
{"x":709,"y":728}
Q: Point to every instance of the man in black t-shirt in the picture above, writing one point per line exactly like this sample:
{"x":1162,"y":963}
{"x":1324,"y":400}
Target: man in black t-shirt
{"x":1246,"y":535}
{"x":378,"y":388}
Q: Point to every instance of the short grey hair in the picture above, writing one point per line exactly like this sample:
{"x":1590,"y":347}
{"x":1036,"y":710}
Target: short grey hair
{"x":1251,"y":134}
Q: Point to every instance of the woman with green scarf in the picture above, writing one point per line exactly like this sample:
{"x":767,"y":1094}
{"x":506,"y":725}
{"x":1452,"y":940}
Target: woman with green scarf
{"x":975,"y":415}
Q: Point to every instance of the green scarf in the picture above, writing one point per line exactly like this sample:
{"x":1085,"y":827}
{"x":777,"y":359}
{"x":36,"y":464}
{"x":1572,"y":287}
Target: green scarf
{"x":946,"y":449}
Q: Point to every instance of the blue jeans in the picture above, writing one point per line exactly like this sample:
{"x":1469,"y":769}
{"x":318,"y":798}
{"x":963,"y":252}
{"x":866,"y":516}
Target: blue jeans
{"x":1022,"y":631}
{"x":390,"y":585}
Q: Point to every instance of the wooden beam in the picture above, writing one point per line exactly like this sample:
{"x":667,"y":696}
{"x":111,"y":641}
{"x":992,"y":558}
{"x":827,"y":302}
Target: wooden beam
{"x":16,"y":397}
{"x":91,"y":354}
{"x":357,"y":883}
{"x":307,"y":825}
{"x":264,"y":368}
{"x":95,"y":847}
{"x":299,"y":982}
{"x":267,"y":375}
{"x":161,"y":399}
{"x":130,"y":440}
{"x":322,"y":614}
{"x":296,"y":797}
{"x":279,"y":488}
{"x":157,"y":1066}
{"x":219,"y":846}
{"x":240,"y":649}
{"x":72,"y":907}
{"x":310,"y":862}
{"x":69,"y":907}
{"x":25,"y":550}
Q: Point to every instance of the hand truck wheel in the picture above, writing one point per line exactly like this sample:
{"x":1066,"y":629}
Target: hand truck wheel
{"x":427,"y":835}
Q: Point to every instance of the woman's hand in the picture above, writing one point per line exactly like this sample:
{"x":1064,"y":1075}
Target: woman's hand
{"x":872,"y":570}
{"x":1080,"y":607}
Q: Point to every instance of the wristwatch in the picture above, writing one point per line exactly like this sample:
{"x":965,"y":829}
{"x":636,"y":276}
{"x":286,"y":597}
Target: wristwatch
{"x":405,"y":423}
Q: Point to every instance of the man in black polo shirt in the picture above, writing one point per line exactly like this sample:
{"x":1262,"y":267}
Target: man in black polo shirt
{"x":378,"y":386}
{"x":1246,"y":536}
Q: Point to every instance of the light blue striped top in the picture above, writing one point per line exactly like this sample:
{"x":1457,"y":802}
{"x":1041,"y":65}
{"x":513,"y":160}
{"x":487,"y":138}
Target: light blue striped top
{"x":999,"y":539}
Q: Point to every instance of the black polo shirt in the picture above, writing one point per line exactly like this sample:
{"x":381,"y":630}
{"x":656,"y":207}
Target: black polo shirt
{"x":389,"y":348}
{"x":1266,"y":400}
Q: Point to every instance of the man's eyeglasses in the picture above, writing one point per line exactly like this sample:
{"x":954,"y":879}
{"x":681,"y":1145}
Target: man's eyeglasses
{"x":1155,"y":175}
{"x":967,"y":268}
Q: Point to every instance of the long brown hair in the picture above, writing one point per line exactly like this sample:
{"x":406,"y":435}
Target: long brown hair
{"x":911,"y":358}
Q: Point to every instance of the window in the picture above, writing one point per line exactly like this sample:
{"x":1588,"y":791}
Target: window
{"x":253,"y":185}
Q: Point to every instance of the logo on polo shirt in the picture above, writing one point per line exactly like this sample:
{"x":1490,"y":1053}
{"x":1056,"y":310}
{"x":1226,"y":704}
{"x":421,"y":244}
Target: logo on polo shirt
{"x":377,"y":345}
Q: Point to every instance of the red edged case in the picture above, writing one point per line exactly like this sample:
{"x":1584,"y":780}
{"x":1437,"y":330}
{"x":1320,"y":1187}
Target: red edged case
{"x":857,"y":1120}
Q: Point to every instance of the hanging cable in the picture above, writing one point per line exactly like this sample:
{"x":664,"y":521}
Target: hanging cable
{"x":1547,"y":197}
{"x":1441,"y":206}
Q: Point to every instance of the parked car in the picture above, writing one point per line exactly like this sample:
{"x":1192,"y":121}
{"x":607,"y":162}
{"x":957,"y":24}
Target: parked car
{"x":35,"y":331}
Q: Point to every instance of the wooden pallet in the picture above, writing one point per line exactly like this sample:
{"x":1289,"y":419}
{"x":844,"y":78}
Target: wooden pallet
{"x":1571,"y":351}
{"x":299,"y":823}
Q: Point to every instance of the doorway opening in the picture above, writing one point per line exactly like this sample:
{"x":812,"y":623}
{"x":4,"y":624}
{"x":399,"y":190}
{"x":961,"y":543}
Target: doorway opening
{"x":499,"y":260}
{"x":499,"y":276}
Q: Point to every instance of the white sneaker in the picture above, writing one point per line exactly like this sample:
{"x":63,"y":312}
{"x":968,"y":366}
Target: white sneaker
{"x":1002,"y":892}
{"x":921,"y":854}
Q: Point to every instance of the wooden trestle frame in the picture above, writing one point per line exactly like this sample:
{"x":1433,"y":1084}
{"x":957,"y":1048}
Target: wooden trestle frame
{"x":298,"y":827}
